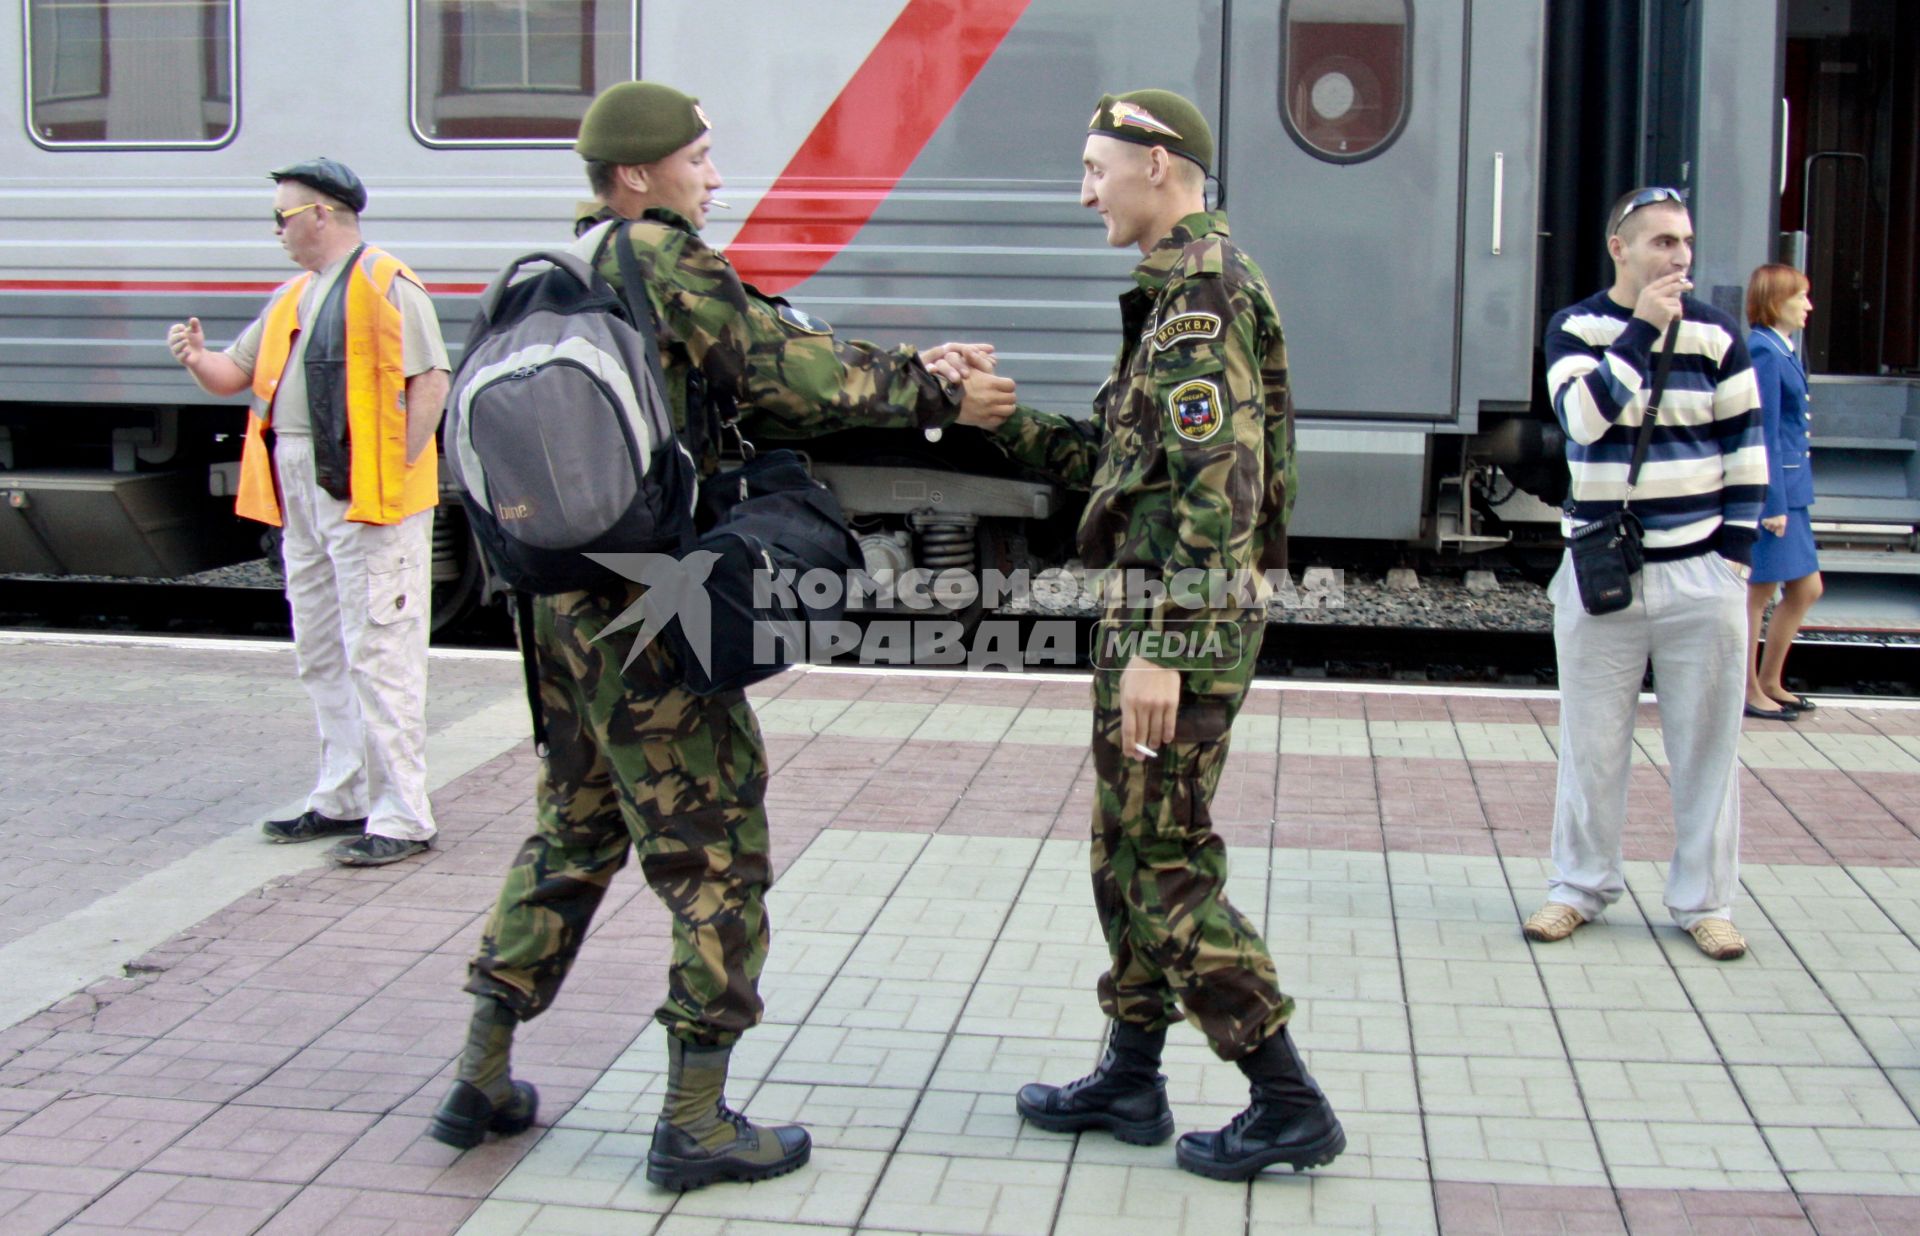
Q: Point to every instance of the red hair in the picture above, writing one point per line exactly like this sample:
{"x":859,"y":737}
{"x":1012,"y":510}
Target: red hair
{"x":1768,"y":292}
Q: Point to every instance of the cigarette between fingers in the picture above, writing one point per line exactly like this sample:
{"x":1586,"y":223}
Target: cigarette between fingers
{"x":1146,"y":751}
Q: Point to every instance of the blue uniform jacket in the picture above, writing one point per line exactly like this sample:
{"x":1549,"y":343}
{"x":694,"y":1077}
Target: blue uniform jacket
{"x":1783,"y":406}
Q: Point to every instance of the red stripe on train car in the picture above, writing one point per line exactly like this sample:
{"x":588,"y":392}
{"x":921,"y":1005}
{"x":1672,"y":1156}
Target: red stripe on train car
{"x":869,"y":137}
{"x":200,"y":285}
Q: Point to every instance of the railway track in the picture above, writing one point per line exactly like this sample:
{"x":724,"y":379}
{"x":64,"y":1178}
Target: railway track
{"x":1864,"y":663}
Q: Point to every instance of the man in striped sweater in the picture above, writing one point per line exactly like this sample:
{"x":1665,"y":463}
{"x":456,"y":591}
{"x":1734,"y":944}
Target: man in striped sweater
{"x":1698,"y":496}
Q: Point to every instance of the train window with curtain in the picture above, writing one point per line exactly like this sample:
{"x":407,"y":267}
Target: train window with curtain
{"x":130,"y":73}
{"x":1344,"y":83}
{"x":516,"y":72}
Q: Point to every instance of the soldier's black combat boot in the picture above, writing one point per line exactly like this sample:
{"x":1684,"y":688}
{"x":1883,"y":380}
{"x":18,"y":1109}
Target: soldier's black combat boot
{"x":1289,"y":1121}
{"x":1126,"y":1095}
{"x":484,"y":1098}
{"x":699,"y":1139}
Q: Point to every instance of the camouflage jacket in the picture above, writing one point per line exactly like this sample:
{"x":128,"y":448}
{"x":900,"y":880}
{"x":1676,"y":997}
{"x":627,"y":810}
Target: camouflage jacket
{"x":791,"y":377}
{"x":1188,"y":456}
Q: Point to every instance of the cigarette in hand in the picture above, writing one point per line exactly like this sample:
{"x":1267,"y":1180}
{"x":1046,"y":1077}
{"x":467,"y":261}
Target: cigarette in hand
{"x":1146,"y":751}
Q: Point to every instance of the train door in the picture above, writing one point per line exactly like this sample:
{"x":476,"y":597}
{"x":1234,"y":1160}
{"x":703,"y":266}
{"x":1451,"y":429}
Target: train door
{"x":1392,"y":207}
{"x":1852,"y":184}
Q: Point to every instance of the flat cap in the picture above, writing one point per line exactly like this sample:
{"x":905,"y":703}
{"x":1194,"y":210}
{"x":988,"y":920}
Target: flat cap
{"x":329,"y":176}
{"x":1156,"y":118}
{"x":633,"y":123}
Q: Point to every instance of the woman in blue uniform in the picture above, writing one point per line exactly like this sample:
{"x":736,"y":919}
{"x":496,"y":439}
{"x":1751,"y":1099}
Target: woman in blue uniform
{"x":1784,"y":557}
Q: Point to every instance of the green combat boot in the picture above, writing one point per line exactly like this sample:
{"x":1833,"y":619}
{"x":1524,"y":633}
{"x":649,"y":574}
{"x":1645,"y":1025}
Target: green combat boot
{"x":1126,"y":1095}
{"x":699,"y":1139}
{"x":1289,"y":1121}
{"x":483,"y":1097}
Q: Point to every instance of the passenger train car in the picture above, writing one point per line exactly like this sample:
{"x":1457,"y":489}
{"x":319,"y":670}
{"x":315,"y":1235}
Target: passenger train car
{"x":1423,"y":181}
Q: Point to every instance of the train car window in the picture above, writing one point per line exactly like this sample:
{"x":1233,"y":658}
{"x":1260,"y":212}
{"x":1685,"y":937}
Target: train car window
{"x":130,"y":73}
{"x":1346,"y":78}
{"x":516,"y":72}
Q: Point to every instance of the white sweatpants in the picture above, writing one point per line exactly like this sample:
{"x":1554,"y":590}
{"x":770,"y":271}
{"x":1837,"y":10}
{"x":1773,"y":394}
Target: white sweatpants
{"x":360,"y":595}
{"x":1690,"y":616}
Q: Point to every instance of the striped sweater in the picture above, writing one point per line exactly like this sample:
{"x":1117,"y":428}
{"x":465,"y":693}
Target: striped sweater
{"x":1705,"y":474}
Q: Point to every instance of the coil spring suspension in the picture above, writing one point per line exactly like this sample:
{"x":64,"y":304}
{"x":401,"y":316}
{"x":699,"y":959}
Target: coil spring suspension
{"x":945,"y":542}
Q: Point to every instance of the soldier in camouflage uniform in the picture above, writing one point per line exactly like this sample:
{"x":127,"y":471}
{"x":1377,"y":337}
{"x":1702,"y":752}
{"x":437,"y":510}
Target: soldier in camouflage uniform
{"x":1188,"y":458}
{"x":634,"y":760}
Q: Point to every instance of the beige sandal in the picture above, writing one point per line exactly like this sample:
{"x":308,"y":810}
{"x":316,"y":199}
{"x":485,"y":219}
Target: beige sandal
{"x":1718,"y":939}
{"x":1553,"y":921}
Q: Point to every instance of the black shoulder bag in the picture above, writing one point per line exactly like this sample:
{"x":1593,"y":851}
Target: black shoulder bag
{"x":1606,"y":552}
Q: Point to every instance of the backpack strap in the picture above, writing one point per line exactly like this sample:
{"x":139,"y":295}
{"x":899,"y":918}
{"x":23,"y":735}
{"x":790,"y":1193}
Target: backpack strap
{"x":523,"y":622}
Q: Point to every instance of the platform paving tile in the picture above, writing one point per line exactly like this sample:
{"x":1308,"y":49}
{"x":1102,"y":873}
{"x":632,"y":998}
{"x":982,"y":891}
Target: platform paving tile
{"x":935,"y":947}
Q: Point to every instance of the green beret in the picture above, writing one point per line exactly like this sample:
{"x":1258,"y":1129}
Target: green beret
{"x":639,"y":122}
{"x":1156,"y":118}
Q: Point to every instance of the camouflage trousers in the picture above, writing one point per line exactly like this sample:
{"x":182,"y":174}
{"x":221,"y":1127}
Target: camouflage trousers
{"x":636,"y":763}
{"x":1159,"y":881}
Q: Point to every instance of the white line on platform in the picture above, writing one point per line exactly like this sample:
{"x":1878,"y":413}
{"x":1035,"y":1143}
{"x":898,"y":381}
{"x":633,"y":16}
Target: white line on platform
{"x":1265,"y":684}
{"x":194,"y":643}
{"x":95,"y":941}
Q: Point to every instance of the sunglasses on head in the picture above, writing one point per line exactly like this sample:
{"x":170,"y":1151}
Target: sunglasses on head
{"x":1649,"y":197}
{"x":280,"y":217}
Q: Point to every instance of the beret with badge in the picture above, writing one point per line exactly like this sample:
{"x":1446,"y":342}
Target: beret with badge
{"x":635,"y":123}
{"x":1156,"y":118}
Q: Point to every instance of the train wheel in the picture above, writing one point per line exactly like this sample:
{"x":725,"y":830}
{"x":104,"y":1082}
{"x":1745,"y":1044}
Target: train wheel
{"x":457,"y":571}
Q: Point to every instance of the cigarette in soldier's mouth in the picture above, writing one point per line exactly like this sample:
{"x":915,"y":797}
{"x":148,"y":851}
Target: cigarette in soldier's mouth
{"x":717,"y":204}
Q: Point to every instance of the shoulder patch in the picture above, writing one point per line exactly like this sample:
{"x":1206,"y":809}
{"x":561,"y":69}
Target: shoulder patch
{"x":1186,"y":326}
{"x":801,"y":320}
{"x":1196,"y":409}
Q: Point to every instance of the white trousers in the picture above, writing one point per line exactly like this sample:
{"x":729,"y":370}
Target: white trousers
{"x":360,"y":595}
{"x":1690,"y":616}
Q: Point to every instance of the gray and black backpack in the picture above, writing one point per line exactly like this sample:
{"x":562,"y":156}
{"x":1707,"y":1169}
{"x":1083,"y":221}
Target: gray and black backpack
{"x":558,"y":431}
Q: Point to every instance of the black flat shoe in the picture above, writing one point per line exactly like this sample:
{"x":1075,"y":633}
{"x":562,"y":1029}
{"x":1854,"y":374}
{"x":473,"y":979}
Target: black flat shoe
{"x":1783,"y":713}
{"x":1798,"y":703}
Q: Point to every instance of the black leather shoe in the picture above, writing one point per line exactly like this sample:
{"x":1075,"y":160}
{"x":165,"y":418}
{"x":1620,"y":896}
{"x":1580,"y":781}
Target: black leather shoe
{"x":1289,"y":1121}
{"x":466,"y":1115}
{"x":1783,"y":713}
{"x":311,"y":826}
{"x":757,"y":1152}
{"x":1126,"y":1095}
{"x":1260,"y":1137}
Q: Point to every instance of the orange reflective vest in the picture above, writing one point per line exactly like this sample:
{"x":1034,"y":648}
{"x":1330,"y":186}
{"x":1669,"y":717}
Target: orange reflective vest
{"x":383,"y":487}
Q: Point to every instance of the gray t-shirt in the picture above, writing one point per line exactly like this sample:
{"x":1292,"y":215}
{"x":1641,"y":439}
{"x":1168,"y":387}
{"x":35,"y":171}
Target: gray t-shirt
{"x":421,"y":347}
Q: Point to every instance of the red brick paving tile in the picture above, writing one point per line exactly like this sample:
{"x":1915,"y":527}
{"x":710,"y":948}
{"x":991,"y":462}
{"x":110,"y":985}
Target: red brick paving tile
{"x":812,"y":686}
{"x":397,"y":1156}
{"x":320,"y":1211}
{"x":1061,"y":693}
{"x":323,"y":968}
{"x":330,"y":1079}
{"x":908,"y":690}
{"x":400,"y":928}
{"x":999,"y":692}
{"x":429,"y":889}
{"x":151,"y":1202}
{"x":1318,"y":703}
{"x":183,"y":1069}
{"x":1406,"y":708}
{"x":1308,"y":833}
{"x":1836,"y":1215}
{"x":1525,"y":1210}
{"x":1657,"y":1212}
{"x":241,"y":1142}
{"x":99,"y":1130}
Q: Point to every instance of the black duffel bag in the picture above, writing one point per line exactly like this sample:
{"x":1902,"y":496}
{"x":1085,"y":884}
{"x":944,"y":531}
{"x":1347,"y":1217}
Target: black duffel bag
{"x":769,"y":523}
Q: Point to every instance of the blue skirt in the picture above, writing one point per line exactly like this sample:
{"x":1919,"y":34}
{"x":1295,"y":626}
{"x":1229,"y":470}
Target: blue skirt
{"x":1777,"y":559}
